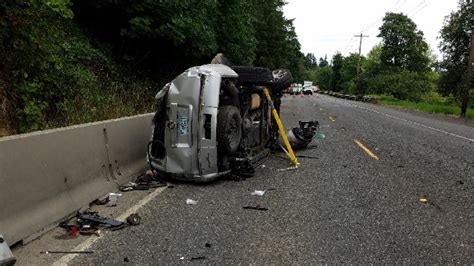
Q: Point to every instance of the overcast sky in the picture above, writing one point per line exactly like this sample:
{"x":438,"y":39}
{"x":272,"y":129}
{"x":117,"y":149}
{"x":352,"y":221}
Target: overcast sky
{"x":327,"y":26}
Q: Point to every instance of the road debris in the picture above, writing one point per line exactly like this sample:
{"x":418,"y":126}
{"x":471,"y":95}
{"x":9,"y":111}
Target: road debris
{"x":146,"y":181}
{"x":113,"y":198}
{"x":134,"y":219}
{"x":423,"y":200}
{"x":191,"y":202}
{"x":258,"y":193}
{"x":198,"y":258}
{"x":208,"y":245}
{"x":258,"y":208}
{"x":88,"y":223}
{"x":66,"y":252}
{"x":300,"y":137}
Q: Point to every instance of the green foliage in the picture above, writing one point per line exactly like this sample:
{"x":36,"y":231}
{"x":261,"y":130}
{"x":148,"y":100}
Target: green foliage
{"x":60,"y":71}
{"x":55,"y":77}
{"x":403,"y":45}
{"x":336,"y":78}
{"x":431,"y":103}
{"x":455,"y":37}
{"x":310,"y":61}
{"x":323,"y":62}
{"x":349,"y":73}
{"x":323,"y":78}
{"x":403,"y":85}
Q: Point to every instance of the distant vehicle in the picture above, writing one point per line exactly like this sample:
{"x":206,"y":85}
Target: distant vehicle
{"x":296,"y":89}
{"x":307,"y":88}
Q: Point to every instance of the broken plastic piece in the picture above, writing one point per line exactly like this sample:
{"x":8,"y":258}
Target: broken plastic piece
{"x":258,"y":193}
{"x":113,"y":198}
{"x":320,"y":136}
{"x":423,"y":200}
{"x":198,"y":258}
{"x":191,"y":202}
{"x":258,"y":208}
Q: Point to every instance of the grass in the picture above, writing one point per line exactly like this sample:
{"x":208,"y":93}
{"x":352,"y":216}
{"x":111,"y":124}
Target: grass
{"x":432,"y":103}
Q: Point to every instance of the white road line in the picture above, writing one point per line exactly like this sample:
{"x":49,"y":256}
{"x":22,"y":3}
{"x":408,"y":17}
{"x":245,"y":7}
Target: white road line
{"x":88,"y":243}
{"x":413,"y":122}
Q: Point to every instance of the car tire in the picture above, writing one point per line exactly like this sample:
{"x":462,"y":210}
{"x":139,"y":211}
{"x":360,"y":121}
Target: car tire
{"x":254,"y":75}
{"x":229,"y":129}
{"x":282,"y":79}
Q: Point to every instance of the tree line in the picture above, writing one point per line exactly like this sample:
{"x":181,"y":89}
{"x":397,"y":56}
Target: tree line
{"x":402,"y":65}
{"x":73,"y":61}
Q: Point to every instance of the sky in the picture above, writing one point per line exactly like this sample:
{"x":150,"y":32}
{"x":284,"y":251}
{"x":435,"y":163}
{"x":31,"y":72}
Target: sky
{"x":327,"y":26}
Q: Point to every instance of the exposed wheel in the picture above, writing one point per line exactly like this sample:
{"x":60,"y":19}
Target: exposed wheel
{"x":229,"y":129}
{"x":253,"y":75}
{"x":282,"y":79}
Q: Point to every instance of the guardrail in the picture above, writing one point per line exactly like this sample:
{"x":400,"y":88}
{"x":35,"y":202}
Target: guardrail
{"x":46,"y":176}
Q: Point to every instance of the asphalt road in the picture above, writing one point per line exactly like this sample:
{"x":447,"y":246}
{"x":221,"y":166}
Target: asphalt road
{"x":342,"y":206}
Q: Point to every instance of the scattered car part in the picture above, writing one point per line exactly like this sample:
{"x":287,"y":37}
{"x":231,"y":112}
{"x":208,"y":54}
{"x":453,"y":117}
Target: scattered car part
{"x":258,"y":208}
{"x":134,"y":219}
{"x":93,"y":219}
{"x":6,"y":255}
{"x":300,"y":137}
{"x":191,"y":202}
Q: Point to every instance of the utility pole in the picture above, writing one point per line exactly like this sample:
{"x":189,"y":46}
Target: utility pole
{"x":361,"y":36}
{"x":467,"y":79}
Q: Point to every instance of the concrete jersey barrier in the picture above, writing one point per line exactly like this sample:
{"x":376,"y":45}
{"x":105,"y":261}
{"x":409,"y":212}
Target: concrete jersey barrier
{"x":48,"y":175}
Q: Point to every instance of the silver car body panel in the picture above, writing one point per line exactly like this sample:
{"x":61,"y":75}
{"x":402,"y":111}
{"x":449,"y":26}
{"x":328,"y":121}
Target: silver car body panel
{"x":190,"y":132}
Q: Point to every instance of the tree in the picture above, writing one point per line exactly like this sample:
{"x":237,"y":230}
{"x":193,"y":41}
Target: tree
{"x":310,"y":61}
{"x":454,"y":45}
{"x":349,"y":72}
{"x":241,"y":45}
{"x":336,"y":78}
{"x":323,"y":77}
{"x":403,"y":45}
{"x":323,"y":62}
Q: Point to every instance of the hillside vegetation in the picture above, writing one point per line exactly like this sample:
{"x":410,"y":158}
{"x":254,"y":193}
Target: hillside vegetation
{"x":68,"y":62}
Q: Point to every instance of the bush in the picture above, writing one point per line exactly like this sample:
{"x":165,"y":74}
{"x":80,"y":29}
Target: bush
{"x":403,"y":85}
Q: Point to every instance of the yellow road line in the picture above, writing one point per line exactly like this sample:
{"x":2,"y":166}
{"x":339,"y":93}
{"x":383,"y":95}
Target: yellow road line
{"x":332,"y":119}
{"x":369,"y":152}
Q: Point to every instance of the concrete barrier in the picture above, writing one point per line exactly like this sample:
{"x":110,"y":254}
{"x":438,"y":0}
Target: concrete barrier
{"x":48,"y":175}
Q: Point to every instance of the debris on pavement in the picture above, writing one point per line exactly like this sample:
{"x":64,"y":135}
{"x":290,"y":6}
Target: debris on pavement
{"x":88,"y":223}
{"x":66,"y":252}
{"x":300,"y":137}
{"x":258,"y":193}
{"x":208,"y":245}
{"x":258,"y":208}
{"x":146,"y":181}
{"x":198,"y":258}
{"x":287,"y":169}
{"x":191,"y":202}
{"x":423,"y":200}
{"x":261,"y":192}
{"x":134,"y":219}
{"x":113,"y":198}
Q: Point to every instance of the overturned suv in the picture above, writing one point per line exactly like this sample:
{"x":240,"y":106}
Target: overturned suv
{"x":213,"y":120}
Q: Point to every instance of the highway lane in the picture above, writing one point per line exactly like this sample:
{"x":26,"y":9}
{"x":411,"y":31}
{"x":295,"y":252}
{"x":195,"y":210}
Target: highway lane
{"x":344,"y":206}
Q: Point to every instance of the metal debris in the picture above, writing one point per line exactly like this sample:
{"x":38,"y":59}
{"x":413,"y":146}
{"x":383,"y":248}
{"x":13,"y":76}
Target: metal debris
{"x":191,"y":202}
